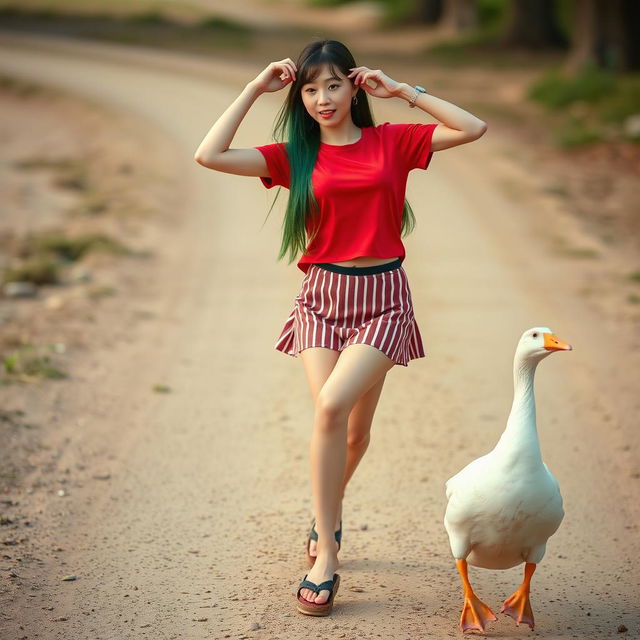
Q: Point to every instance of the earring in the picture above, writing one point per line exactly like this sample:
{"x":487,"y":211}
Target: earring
{"x":355,"y":100}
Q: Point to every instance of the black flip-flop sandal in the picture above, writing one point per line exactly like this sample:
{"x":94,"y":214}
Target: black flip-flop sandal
{"x":313,"y":535}
{"x":311,"y":608}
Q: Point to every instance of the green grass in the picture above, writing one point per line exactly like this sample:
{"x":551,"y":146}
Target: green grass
{"x":604,"y":99}
{"x":140,"y":23}
{"x":70,"y":173}
{"x":556,"y":90}
{"x":32,"y":361}
{"x":562,"y":248}
{"x":38,"y":270}
{"x":22,"y":88}
{"x":70,"y":249}
{"x":40,"y":256}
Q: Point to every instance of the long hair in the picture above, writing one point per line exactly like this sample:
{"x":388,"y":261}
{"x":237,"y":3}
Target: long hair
{"x":301,"y":135}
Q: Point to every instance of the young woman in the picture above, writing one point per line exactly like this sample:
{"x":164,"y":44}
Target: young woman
{"x":353,"y":317}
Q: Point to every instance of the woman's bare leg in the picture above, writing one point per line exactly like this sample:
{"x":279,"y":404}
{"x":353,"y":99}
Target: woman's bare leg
{"x":358,"y":368}
{"x":358,"y":438}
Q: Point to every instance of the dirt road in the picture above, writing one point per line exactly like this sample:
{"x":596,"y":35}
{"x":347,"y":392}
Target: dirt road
{"x":198,"y":532}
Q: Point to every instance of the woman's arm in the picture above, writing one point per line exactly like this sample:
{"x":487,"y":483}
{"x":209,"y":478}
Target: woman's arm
{"x":458,"y":126}
{"x":214,"y":152}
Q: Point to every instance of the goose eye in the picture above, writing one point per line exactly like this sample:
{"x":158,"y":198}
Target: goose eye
{"x":535,"y":335}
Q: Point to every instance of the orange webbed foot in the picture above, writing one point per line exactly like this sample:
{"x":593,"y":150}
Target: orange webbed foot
{"x":475,"y":614}
{"x":519,"y":608}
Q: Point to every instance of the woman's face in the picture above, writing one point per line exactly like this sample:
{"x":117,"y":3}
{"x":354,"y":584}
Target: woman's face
{"x":328,"y":92}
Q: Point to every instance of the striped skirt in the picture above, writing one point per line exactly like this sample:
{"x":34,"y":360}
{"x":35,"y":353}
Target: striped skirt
{"x":338,"y":306}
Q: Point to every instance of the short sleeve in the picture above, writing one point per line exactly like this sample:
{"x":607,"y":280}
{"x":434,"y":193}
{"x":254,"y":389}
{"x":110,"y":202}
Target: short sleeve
{"x":278,"y":164}
{"x":413,"y":143}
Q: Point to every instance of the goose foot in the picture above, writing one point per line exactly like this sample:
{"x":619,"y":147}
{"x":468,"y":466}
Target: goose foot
{"x":475,"y":613}
{"x":517,"y":605}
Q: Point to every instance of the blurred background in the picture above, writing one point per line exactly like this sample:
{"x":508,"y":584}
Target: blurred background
{"x":119,"y":274}
{"x":560,"y":76}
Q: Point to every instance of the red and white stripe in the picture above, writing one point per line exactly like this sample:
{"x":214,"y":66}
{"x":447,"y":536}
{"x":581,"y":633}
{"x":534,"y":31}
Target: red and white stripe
{"x":334,"y":310}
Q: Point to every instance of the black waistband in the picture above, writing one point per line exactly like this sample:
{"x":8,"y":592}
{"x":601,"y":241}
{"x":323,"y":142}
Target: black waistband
{"x":359,"y":271}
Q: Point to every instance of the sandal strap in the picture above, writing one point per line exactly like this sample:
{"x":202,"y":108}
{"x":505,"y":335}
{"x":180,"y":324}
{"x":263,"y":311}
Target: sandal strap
{"x":313,"y":534}
{"x":327,"y":585}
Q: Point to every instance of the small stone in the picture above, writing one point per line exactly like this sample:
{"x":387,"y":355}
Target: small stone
{"x":622,"y":629}
{"x":632,"y":129}
{"x":54,"y":302}
{"x":20,"y":290}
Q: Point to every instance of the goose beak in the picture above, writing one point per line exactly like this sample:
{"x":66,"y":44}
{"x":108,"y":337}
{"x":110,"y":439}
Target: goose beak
{"x":553,"y":343}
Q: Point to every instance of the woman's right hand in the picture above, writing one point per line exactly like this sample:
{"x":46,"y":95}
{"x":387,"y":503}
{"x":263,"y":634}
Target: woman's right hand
{"x":276,"y":76}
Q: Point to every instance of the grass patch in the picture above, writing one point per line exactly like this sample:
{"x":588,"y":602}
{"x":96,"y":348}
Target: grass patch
{"x":20,"y":87}
{"x":68,"y":249}
{"x":594,"y":104}
{"x":40,"y":256}
{"x":556,"y":189}
{"x":561,"y":247}
{"x":145,"y":25}
{"x":576,"y":132}
{"x":635,"y":276}
{"x":580,"y":252}
{"x":70,"y":173}
{"x":31,"y":362}
{"x":37,"y":270}
{"x":102,"y":291}
{"x":556,"y":90}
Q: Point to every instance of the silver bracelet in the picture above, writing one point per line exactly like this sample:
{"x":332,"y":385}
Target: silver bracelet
{"x":417,"y":89}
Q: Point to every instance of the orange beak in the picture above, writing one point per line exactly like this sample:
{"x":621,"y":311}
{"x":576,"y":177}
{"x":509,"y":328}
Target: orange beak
{"x":553,"y":343}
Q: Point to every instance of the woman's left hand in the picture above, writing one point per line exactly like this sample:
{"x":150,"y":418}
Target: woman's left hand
{"x":386,"y":87}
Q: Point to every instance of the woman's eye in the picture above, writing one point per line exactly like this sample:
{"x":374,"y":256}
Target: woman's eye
{"x":331,"y":85}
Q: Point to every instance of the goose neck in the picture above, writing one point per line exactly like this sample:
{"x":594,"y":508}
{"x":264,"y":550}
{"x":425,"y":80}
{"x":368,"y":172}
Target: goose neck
{"x":520,"y":438}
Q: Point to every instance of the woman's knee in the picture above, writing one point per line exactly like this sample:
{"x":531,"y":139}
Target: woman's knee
{"x":357,"y":438}
{"x":332,"y":410}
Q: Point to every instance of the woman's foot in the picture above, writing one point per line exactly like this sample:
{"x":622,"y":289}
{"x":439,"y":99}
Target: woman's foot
{"x":323,"y":569}
{"x":313,"y":543}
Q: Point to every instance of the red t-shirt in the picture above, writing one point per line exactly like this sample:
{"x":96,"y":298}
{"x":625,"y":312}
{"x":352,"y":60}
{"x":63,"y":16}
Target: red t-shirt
{"x":360,"y":189}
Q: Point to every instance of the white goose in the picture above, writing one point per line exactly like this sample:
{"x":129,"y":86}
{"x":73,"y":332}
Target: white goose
{"x":503,"y":506}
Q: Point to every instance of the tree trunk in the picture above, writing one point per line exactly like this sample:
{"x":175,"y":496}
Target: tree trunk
{"x":605,"y":35}
{"x":458,"y":17}
{"x":531,"y":24}
{"x":426,"y":11}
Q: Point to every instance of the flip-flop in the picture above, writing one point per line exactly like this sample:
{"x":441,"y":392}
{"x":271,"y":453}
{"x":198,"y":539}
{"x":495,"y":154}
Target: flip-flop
{"x":311,"y":608}
{"x":313,"y":535}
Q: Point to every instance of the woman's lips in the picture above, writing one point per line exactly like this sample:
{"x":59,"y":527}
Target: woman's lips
{"x":328,"y":114}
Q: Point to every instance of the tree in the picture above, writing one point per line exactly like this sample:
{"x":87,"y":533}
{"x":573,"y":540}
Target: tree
{"x":426,"y":11}
{"x":605,"y":35}
{"x":458,"y":16}
{"x":532,"y":24}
